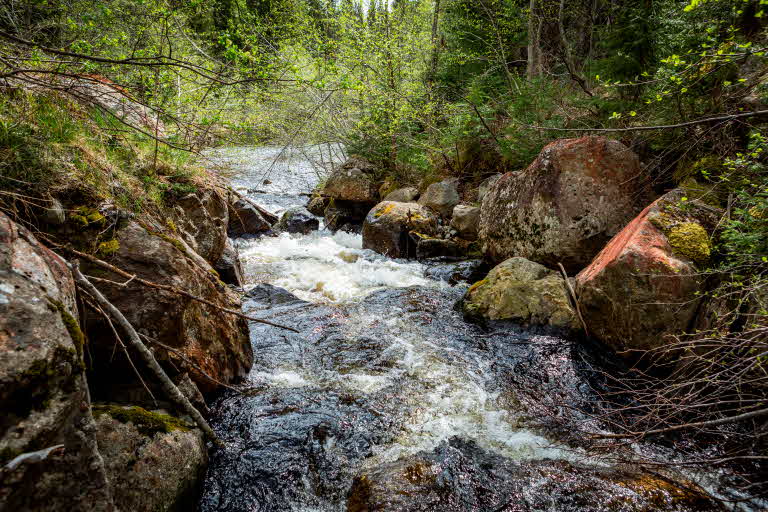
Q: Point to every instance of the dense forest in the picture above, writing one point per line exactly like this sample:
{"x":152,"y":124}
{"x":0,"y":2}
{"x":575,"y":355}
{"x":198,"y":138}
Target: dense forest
{"x":120,"y":101}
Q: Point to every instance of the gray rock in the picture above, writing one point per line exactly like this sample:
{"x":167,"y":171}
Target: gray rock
{"x":297,"y":220}
{"x":154,"y":461}
{"x":353,"y":181}
{"x":245,"y":219}
{"x":387,"y":227}
{"x":466,"y":220}
{"x":403,"y":195}
{"x":228,"y":266}
{"x":521,"y":291}
{"x":438,"y":247}
{"x":441,"y":197}
{"x":486,"y":184}
{"x":43,"y":393}
{"x":201,"y":219}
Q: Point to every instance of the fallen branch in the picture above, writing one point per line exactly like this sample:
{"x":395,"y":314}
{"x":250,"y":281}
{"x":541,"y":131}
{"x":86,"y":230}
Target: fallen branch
{"x":168,"y":288}
{"x":166,"y":383}
{"x":573,"y":298}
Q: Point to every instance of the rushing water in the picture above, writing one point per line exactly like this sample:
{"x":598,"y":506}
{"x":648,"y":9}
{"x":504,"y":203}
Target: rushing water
{"x":386,"y":399}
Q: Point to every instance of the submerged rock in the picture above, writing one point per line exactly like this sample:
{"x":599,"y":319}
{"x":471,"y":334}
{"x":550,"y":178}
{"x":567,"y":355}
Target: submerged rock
{"x":228,"y":265}
{"x":387,"y":227}
{"x":297,"y":220}
{"x":644,"y":287}
{"x":459,"y":476}
{"x":521,"y":291}
{"x":43,"y":393}
{"x":155,"y":462}
{"x":214,"y":340}
{"x":403,"y":195}
{"x":245,"y":219}
{"x":565,"y":206}
{"x":441,"y":197}
{"x":466,"y":220}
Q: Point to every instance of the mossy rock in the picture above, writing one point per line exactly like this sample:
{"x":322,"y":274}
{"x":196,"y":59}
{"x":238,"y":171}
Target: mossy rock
{"x":707,"y":167}
{"x":146,"y":422}
{"x":108,"y":248}
{"x":690,"y":239}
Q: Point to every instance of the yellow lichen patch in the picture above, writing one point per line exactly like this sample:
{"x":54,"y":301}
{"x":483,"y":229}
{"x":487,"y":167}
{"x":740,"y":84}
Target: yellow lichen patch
{"x":384,"y":210}
{"x":690,"y":240}
{"x":477,"y":285}
{"x":108,"y":248}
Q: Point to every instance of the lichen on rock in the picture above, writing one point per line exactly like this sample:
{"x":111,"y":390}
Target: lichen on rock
{"x":691,"y":240}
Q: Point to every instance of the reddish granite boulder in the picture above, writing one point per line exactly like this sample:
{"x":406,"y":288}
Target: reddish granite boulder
{"x":565,"y":206}
{"x":643,"y":286}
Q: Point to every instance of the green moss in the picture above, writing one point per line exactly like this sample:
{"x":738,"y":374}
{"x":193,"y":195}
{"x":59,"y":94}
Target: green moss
{"x":690,"y":240}
{"x":171,"y":225}
{"x":146,"y":422}
{"x":696,"y":191}
{"x":73,"y":327}
{"x":108,"y":248}
{"x":85,"y":216}
{"x":706,"y":167}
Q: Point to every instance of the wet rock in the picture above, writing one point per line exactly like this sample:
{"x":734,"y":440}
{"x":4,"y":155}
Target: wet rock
{"x":345,"y":216}
{"x":427,"y":247}
{"x":228,"y":266}
{"x":458,"y":476}
{"x":521,"y":291}
{"x":55,"y":214}
{"x":214,"y":340}
{"x":486,"y":184}
{"x":202,"y":219}
{"x":155,"y":462}
{"x":441,"y":197}
{"x":297,"y":220}
{"x":565,"y":206}
{"x":317,"y":205}
{"x":387,"y":226}
{"x":43,"y":393}
{"x":403,"y":195}
{"x":644,"y":286}
{"x":353,"y":181}
{"x":270,"y":295}
{"x":458,"y":272}
{"x":190,"y":390}
{"x":246,"y":219}
{"x":465,"y":221}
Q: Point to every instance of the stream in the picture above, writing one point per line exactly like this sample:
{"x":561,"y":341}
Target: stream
{"x":387,"y":399}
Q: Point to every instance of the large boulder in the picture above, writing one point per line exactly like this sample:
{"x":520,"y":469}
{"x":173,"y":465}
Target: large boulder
{"x":521,"y":291}
{"x":565,"y":206}
{"x":645,"y":285}
{"x":297,"y":220}
{"x":403,"y":195}
{"x":48,"y":452}
{"x":485,"y":186}
{"x":228,"y":266}
{"x":441,"y":197}
{"x":155,"y":462}
{"x":246,"y":219}
{"x":201,"y":218}
{"x":465,"y":221}
{"x":215,"y":341}
{"x":387,"y":227}
{"x":353,"y":181}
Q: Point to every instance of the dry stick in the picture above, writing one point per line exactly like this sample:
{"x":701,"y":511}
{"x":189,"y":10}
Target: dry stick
{"x":168,"y":288}
{"x":165,"y":382}
{"x":573,"y":296}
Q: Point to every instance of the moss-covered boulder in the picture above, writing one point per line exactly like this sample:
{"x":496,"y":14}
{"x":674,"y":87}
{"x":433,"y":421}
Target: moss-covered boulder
{"x":155,"y":461}
{"x":565,"y":206}
{"x":387,"y":227}
{"x":521,"y":291}
{"x":645,"y":285}
{"x":43,"y":394}
{"x":213,"y":340}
